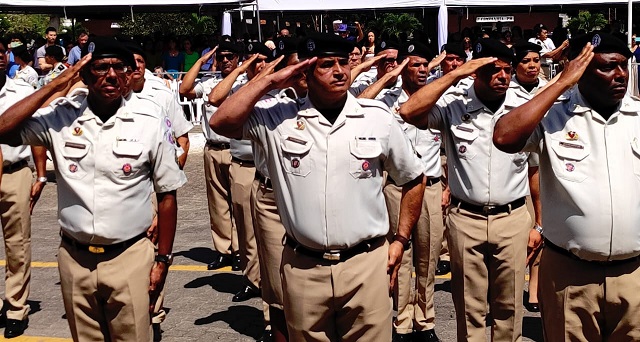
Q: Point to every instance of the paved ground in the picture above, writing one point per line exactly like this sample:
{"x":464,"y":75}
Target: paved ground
{"x":199,"y":301}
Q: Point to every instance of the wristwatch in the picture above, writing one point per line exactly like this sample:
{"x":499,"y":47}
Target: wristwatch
{"x":42,"y":180}
{"x":538,"y":228}
{"x":165,"y":258}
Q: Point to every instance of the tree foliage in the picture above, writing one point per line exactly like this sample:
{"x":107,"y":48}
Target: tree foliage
{"x":176,"y":24}
{"x":27,"y":24}
{"x":587,"y":21}
{"x":395,"y":23}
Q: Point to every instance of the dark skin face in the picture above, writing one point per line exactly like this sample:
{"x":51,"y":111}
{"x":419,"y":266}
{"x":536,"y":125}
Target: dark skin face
{"x":528,"y":69}
{"x":227,"y":61}
{"x":414,"y":76}
{"x":257,"y":66}
{"x":328,"y":81}
{"x":492,"y":82}
{"x":105,"y":91}
{"x":450,"y":63}
{"x":388,"y":63}
{"x":604,"y":82}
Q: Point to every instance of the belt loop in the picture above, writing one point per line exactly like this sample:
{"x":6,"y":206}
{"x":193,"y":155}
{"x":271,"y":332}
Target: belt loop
{"x":509,"y":211}
{"x":458,"y":207}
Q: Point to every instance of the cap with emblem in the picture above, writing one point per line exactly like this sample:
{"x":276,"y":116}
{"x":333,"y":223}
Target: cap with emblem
{"x":455,"y":49}
{"x":387,"y":45}
{"x":103,"y":47}
{"x":286,"y":46}
{"x":489,"y":47}
{"x":260,"y":48}
{"x":228,"y":47}
{"x":602,"y":43}
{"x":324,"y":44}
{"x":522,"y":48}
{"x":414,"y":48}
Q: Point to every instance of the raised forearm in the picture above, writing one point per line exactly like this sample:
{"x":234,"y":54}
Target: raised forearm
{"x":415,"y":110}
{"x":373,"y":90}
{"x":188,"y":81}
{"x":221,"y":91}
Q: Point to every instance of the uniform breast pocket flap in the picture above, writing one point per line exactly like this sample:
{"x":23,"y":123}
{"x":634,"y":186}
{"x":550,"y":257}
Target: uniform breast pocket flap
{"x":465,"y":132}
{"x":295,"y":155}
{"x":570,"y":150}
{"x":73,"y":153}
{"x":365,"y":161}
{"x":131,"y":149}
{"x":74,"y":150}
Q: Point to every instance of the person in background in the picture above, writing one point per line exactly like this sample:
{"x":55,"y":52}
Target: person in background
{"x":25,"y":72}
{"x":74,"y":54}
{"x":190,"y":56}
{"x":173,"y":60}
{"x":51,"y":34}
{"x":53,"y":56}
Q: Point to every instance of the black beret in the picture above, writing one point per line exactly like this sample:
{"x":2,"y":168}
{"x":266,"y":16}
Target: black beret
{"x":324,"y":44}
{"x":260,"y":48}
{"x":522,"y":48}
{"x":136,"y":49}
{"x":489,"y":47}
{"x":455,"y":49}
{"x":285,"y":46}
{"x":602,"y":43}
{"x":387,"y":45}
{"x":103,"y":47}
{"x":229,"y":47}
{"x":413,"y":48}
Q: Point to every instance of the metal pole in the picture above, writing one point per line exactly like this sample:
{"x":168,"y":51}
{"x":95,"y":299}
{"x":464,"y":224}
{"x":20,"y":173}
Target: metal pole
{"x":259,"y":26}
{"x":629,"y":22}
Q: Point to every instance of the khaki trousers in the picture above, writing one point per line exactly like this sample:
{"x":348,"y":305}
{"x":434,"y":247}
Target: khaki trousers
{"x":585,"y":301}
{"x":15,"y":194}
{"x":488,"y":256}
{"x":344,"y":301}
{"x":106,"y":296}
{"x":269,"y":234}
{"x":242,"y":176}
{"x":416,"y":311}
{"x":216,"y":174}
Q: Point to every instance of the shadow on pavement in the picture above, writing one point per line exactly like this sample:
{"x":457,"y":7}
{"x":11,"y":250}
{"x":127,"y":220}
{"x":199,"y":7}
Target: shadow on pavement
{"x":532,"y":328}
{"x":198,"y":254}
{"x":220,"y":282}
{"x":245,"y":320}
{"x":445,"y":286}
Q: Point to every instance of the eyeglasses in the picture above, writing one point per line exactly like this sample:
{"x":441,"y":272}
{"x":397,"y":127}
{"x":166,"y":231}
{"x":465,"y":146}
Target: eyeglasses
{"x":103,"y":68}
{"x":228,"y":56}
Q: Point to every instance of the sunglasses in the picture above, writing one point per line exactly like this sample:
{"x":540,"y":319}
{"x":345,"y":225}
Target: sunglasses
{"x":228,"y":56}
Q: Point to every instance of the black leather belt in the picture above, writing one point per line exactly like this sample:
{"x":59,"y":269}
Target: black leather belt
{"x":487,"y":210}
{"x":264,"y":180}
{"x":242,"y":162}
{"x":15,"y":166}
{"x":100,"y":249}
{"x":337,"y":256}
{"x":219,"y":145}
{"x":565,"y":252}
{"x":430,"y":181}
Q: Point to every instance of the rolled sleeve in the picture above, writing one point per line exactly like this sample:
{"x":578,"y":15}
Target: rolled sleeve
{"x":402,"y":162}
{"x":35,"y":130}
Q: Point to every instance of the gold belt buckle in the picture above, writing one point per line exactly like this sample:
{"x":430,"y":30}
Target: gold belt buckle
{"x":332,"y":256}
{"x":96,"y":249}
{"x":487,"y":209}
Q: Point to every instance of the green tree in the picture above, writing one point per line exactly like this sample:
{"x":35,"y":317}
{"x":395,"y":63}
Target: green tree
{"x":395,"y":23}
{"x":587,"y":21}
{"x":26,"y":24}
{"x":167,"y":23}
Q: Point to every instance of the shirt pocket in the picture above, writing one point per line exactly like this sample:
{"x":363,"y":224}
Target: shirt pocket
{"x":570,"y":161}
{"x":127,"y":163}
{"x":463,"y":137}
{"x":73,"y":154}
{"x":296,"y":159}
{"x":364,"y":161}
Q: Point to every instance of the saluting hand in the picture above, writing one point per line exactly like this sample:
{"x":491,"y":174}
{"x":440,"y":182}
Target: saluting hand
{"x":70,"y":77}
{"x":246,"y":64}
{"x":574,"y":69}
{"x":207,"y":56}
{"x":393,"y":74}
{"x":268,"y":69}
{"x":472,"y":66}
{"x":437,"y":60}
{"x":288,"y":76}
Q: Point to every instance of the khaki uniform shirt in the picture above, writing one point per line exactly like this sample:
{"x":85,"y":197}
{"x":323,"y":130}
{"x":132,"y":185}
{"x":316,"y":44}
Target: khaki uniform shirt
{"x":328,"y":178}
{"x":479,"y":173}
{"x":12,"y":92}
{"x":426,"y":142}
{"x":105,"y":171}
{"x":590,"y":178}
